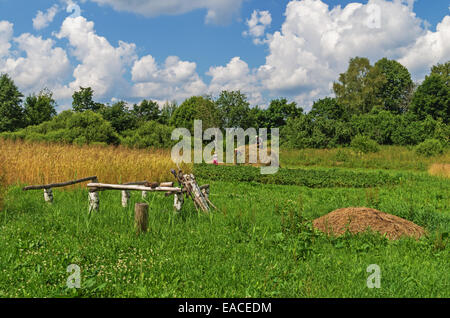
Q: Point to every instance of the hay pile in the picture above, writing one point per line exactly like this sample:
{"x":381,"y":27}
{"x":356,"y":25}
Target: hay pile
{"x":358,"y":220}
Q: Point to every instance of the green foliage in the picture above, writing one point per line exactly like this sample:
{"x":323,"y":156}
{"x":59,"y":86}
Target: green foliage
{"x":150,"y":134}
{"x":306,"y":131}
{"x":120,"y":117}
{"x":234,"y":110}
{"x":397,"y":89}
{"x":328,"y":108}
{"x":11,"y":112}
{"x":193,"y":108}
{"x":429,"y":148}
{"x":146,"y":111}
{"x":364,"y":144}
{"x":39,"y":108}
{"x":70,"y":127}
{"x":358,"y":88}
{"x":432,"y":98}
{"x":82,"y":100}
{"x":279,"y":111}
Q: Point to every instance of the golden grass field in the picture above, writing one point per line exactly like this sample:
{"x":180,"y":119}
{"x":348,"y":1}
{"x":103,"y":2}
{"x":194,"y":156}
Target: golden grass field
{"x":42,"y":163}
{"x":440,"y":170}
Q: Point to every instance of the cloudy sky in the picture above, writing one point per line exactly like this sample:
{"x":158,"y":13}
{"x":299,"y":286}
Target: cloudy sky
{"x":173,"y":49}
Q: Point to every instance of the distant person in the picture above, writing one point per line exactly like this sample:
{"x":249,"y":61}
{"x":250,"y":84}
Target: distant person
{"x":259,"y":142}
{"x":215,"y":160}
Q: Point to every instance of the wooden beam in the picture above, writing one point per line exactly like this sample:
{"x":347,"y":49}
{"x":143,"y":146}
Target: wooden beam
{"x":121,"y":187}
{"x":59,"y":185}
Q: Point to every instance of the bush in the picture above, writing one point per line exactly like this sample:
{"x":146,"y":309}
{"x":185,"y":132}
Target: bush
{"x":364,"y":144}
{"x":150,"y":134}
{"x":429,"y":148}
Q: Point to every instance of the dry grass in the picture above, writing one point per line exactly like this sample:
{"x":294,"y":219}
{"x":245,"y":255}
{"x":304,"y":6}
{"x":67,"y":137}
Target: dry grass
{"x":42,"y":163}
{"x":440,"y":170}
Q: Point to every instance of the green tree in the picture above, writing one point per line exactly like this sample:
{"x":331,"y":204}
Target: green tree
{"x":279,"y":111}
{"x":146,"y":111}
{"x":432,"y":98}
{"x":196,"y":107}
{"x":234,"y":109}
{"x":119,"y":116}
{"x":11,"y":112}
{"x":82,"y":100}
{"x":167,"y":111}
{"x":358,"y":88}
{"x":328,"y":108}
{"x":442,"y":70}
{"x":397,"y":88}
{"x":39,"y":108}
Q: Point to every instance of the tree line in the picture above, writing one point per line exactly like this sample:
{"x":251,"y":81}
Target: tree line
{"x":379,"y":102}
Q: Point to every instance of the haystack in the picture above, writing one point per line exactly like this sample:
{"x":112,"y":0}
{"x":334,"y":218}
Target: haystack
{"x":360,"y":219}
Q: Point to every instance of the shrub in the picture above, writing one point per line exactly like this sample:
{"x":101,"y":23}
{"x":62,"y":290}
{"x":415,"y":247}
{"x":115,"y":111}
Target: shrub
{"x":429,"y":148}
{"x":364,"y":144}
{"x":150,"y":134}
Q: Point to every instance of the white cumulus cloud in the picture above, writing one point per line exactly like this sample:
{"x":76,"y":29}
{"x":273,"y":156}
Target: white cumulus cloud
{"x":429,"y":49}
{"x":43,"y":19}
{"x":316,"y":42}
{"x":236,"y":75}
{"x":35,"y":64}
{"x":102,"y":66}
{"x":257,"y":25}
{"x":6,"y":33}
{"x":174,"y":80}
{"x":218,"y":11}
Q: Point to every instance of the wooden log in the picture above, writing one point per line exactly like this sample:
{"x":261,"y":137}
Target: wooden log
{"x":178,"y":200}
{"x":205,"y":191}
{"x":196,"y":193}
{"x":59,"y":185}
{"x":48,"y":195}
{"x":141,"y":217}
{"x":104,"y":186}
{"x":94,"y":202}
{"x":125,"y":197}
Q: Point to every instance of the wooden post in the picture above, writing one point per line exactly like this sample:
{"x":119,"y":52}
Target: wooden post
{"x":178,"y":201}
{"x":125,"y":196}
{"x":94,"y":201}
{"x":141,"y":217}
{"x":48,"y":195}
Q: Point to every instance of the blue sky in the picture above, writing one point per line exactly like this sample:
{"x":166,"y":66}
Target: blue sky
{"x":174,"y":49}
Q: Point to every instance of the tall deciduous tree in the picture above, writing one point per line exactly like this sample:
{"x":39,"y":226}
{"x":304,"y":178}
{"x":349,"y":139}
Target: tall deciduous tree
{"x":82,"y":100}
{"x":11,"y":112}
{"x":196,"y":107}
{"x":397,"y":88}
{"x":146,"y":111}
{"x":432,"y":98}
{"x":39,"y":108}
{"x":234,"y":109}
{"x":119,"y":116}
{"x":442,"y":70}
{"x":280,"y":110}
{"x":358,"y":88}
{"x":328,"y":108}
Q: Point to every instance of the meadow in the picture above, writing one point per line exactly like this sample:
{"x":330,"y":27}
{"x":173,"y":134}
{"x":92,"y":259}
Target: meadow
{"x":259,"y":243}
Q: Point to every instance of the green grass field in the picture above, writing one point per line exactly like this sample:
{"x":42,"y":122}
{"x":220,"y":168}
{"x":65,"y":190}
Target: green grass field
{"x":259,"y":244}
